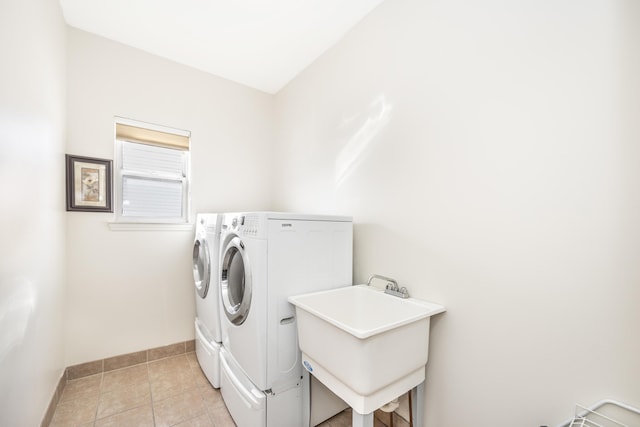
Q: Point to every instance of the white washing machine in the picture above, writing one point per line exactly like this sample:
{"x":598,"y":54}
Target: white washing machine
{"x":206,"y":263}
{"x":265,"y":258}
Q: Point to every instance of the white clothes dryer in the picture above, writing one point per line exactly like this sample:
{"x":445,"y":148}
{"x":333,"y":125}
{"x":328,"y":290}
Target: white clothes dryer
{"x":265,"y":258}
{"x":206,"y":263}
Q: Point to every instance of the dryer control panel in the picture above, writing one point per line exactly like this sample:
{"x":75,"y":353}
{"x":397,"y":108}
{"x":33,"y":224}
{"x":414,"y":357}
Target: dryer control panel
{"x":246,"y":224}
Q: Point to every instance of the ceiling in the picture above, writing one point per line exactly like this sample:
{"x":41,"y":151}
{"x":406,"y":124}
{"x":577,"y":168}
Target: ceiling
{"x":263,"y":44}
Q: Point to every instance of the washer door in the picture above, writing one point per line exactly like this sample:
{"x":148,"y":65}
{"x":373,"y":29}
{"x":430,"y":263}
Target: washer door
{"x":235,"y":283}
{"x":201,"y":266}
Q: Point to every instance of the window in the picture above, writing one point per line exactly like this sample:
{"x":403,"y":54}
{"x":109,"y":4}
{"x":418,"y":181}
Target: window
{"x":152,"y":173}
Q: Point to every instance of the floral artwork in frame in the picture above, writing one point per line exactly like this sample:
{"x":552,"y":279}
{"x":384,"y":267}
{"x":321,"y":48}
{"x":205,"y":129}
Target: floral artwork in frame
{"x":88,"y":184}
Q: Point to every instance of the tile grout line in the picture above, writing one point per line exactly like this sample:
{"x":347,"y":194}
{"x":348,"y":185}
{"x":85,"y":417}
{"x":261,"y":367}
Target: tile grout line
{"x":153,"y":410}
{"x":95,"y":413}
{"x":198,"y":387}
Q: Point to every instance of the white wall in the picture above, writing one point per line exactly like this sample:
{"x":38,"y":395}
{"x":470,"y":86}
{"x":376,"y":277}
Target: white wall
{"x":32,"y":285}
{"x":488,"y":152}
{"x":133,"y":290}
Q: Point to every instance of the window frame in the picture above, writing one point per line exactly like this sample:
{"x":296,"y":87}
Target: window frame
{"x":120,"y":173}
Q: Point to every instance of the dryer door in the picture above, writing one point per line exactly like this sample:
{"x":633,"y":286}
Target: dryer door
{"x":201,"y":266}
{"x":235,"y":282}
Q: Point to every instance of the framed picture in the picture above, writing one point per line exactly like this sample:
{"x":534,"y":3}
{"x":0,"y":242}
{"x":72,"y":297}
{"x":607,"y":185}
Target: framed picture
{"x":88,"y":184}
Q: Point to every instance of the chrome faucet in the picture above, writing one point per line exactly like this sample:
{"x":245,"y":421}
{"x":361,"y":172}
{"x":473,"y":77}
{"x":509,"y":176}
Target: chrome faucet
{"x":392,"y":286}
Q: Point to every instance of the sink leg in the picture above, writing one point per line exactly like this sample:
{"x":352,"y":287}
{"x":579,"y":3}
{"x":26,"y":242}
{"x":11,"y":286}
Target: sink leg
{"x":417,"y":411}
{"x":360,"y":420}
{"x":306,"y":398}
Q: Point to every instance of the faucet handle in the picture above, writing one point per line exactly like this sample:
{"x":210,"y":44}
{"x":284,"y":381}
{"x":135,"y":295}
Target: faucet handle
{"x":392,"y":289}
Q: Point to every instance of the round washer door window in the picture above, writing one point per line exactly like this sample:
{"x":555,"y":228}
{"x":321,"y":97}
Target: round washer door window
{"x":235,"y":282}
{"x":201,"y":267}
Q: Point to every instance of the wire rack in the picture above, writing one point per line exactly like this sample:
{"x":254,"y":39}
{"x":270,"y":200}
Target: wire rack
{"x":606,"y":413}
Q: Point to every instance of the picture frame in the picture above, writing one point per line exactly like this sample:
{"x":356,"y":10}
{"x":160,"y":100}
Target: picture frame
{"x":89,"y":184}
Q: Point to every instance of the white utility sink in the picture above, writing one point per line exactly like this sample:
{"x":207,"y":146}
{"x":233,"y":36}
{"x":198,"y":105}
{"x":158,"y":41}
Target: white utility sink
{"x":368,"y":347}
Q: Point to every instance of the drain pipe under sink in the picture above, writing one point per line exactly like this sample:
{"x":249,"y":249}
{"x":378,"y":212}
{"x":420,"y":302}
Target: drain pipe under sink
{"x":393,"y":405}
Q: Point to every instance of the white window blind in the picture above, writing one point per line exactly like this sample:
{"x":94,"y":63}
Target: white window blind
{"x":149,"y":159}
{"x":153,"y":175}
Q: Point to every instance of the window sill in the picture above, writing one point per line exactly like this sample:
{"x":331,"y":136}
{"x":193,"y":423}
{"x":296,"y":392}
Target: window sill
{"x":147,"y":226}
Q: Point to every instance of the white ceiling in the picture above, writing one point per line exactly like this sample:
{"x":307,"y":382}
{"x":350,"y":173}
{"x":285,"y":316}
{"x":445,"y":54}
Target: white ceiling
{"x":259,"y":43}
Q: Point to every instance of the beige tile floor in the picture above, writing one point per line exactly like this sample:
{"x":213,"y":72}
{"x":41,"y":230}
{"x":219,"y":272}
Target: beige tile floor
{"x":166,"y":392}
{"x":162,"y":393}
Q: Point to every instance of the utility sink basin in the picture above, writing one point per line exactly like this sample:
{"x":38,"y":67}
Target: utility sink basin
{"x":368,"y":347}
